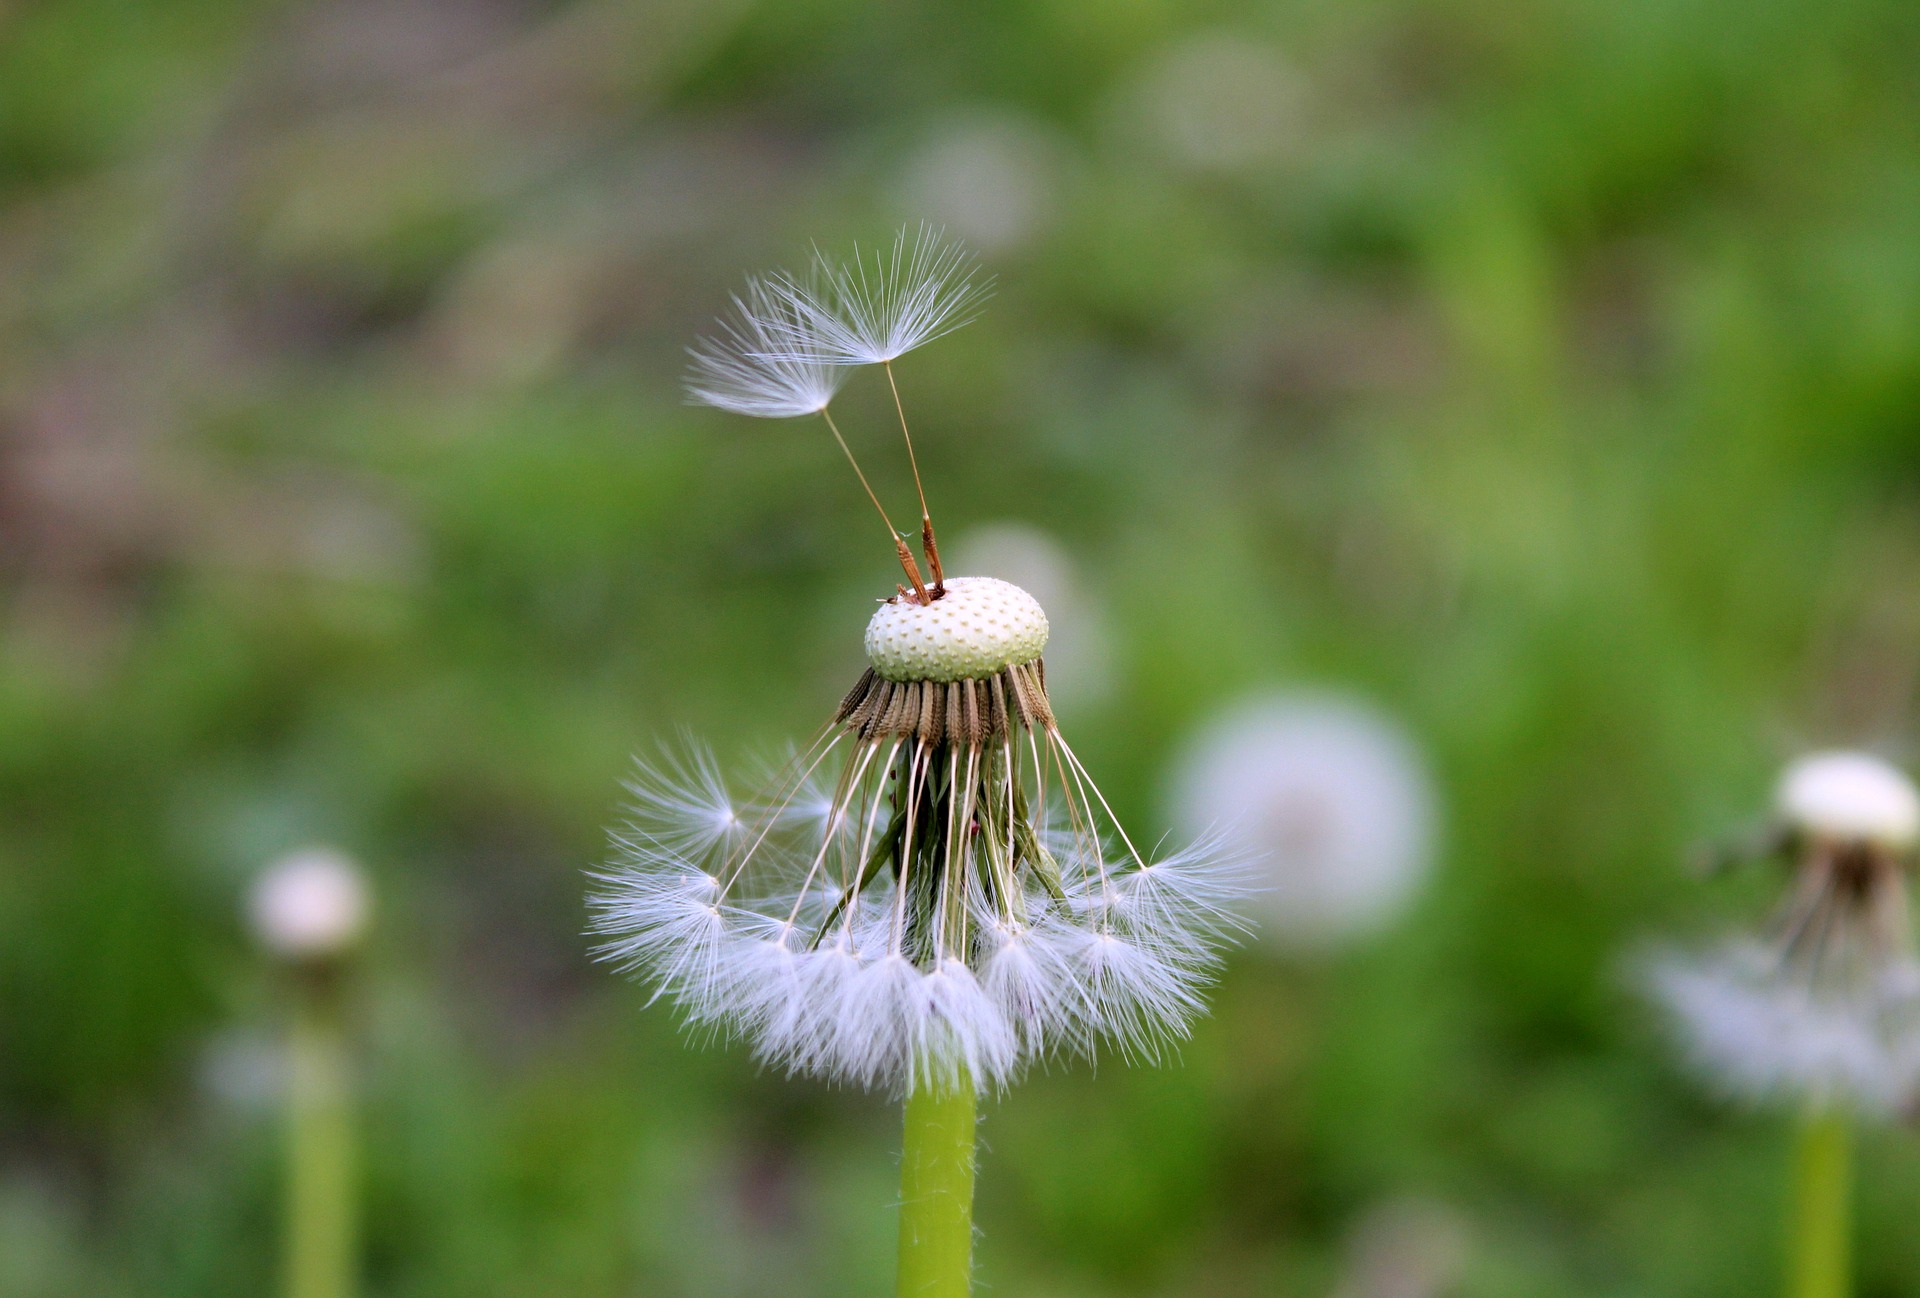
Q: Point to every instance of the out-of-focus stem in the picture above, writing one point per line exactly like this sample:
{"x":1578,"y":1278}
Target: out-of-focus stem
{"x":1821,"y":1261}
{"x":322,"y":1226}
{"x":936,"y":1191}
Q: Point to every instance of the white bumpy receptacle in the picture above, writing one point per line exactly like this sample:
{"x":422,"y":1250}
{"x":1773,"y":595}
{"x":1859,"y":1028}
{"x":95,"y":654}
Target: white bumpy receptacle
{"x":981,"y":626}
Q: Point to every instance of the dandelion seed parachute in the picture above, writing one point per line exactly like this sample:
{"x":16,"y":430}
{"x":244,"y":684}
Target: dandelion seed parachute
{"x":761,"y":363}
{"x":872,"y":309}
{"x":961,"y":906}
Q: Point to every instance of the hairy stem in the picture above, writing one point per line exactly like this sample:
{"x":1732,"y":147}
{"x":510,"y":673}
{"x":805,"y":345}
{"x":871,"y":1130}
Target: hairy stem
{"x":321,"y":1226}
{"x":1821,"y":1240}
{"x":936,"y":1190}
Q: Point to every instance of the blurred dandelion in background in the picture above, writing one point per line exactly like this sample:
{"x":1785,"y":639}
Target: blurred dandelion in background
{"x":310,"y":906}
{"x":1822,"y":1009}
{"x":989,"y":176}
{"x":1327,"y":799}
{"x":1405,"y":1248}
{"x":1219,"y":101}
{"x":1079,"y":630}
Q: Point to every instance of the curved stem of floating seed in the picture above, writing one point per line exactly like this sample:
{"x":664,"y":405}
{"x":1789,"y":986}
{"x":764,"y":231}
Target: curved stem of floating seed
{"x":1821,"y":1239}
{"x":936,"y":1187}
{"x":926,"y":519}
{"x":832,"y":740}
{"x":322,"y":1226}
{"x":907,"y":565}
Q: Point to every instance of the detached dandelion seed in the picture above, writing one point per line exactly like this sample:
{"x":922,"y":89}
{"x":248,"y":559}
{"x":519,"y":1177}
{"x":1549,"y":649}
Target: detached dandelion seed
{"x":756,"y":366}
{"x":934,"y":895}
{"x":1822,"y":1009}
{"x":874,"y":307}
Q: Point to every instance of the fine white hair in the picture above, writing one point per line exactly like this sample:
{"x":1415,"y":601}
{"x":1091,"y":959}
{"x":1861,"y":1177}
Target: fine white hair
{"x":1850,"y":796}
{"x":1325,"y":798}
{"x":761,"y":363}
{"x":1755,"y":1027}
{"x":875,"y":307}
{"x":779,"y":929}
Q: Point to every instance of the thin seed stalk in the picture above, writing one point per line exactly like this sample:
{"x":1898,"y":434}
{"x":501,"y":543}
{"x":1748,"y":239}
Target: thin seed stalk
{"x":1820,"y":1265}
{"x":936,"y":1190}
{"x":321,"y":1225}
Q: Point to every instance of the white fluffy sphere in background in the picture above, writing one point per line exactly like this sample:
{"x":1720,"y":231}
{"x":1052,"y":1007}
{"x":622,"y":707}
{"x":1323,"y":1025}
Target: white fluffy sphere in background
{"x":1079,"y":643}
{"x":1220,"y":101}
{"x":1328,"y":801}
{"x":1850,"y":796}
{"x":988,"y":177}
{"x":310,"y":905}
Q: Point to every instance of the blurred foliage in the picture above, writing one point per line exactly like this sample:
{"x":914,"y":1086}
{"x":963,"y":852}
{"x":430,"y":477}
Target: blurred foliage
{"x":1548,"y":369}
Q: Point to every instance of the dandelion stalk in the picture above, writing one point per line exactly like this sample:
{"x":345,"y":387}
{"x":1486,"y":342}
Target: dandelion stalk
{"x":309,"y":911}
{"x":1821,"y":1239}
{"x":321,"y":1225}
{"x":936,"y":1191}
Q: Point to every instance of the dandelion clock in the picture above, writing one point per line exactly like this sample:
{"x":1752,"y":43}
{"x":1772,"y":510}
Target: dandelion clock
{"x":1821,"y":1008}
{"x":934,"y":895}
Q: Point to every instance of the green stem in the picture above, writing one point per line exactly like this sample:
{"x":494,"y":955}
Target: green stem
{"x":321,"y":1223}
{"x":936,"y":1192}
{"x":1822,"y":1207}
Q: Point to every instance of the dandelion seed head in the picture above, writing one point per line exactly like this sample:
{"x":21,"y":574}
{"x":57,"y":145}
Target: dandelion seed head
{"x":1850,"y":796}
{"x":1326,"y":801}
{"x":310,"y":905}
{"x":963,"y":907}
{"x":935,"y":892}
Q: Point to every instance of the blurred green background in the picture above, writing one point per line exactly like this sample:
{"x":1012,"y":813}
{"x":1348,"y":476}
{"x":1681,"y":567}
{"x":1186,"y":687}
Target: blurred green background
{"x":1547,"y":370}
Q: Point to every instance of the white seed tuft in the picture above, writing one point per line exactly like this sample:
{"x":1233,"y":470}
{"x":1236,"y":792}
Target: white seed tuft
{"x":747,"y":931}
{"x":871,"y":309}
{"x":756,"y":365}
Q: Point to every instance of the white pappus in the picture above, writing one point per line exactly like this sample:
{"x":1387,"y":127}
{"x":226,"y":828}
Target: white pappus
{"x":964,"y":906}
